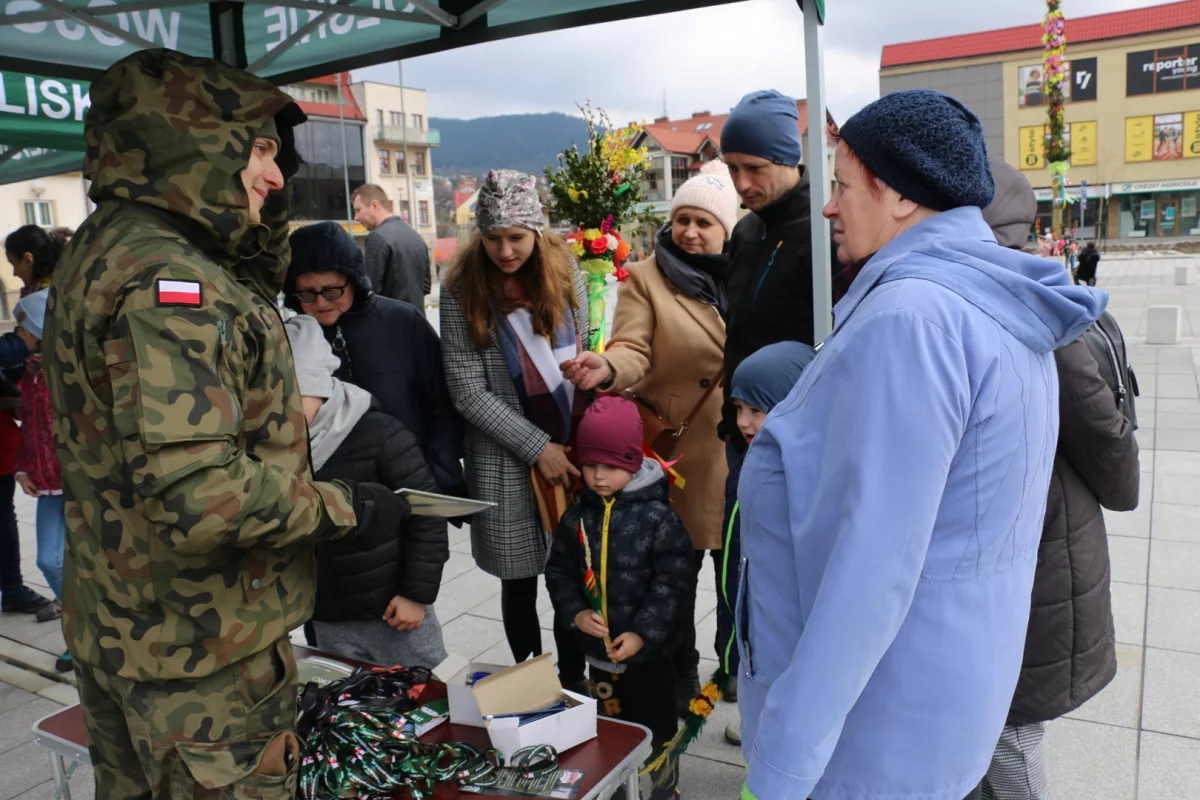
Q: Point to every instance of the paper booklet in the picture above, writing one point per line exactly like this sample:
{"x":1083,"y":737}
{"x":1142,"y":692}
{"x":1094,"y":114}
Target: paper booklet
{"x":429,"y":504}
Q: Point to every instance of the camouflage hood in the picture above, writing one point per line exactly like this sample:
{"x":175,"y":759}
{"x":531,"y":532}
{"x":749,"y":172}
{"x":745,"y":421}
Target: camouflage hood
{"x":173,"y":132}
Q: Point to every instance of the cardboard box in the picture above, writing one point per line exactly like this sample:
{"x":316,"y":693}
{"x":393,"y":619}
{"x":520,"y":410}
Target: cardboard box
{"x":529,"y":686}
{"x":464,"y":710}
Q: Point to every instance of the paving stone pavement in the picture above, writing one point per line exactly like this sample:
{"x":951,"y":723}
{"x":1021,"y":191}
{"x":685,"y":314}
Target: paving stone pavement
{"x":1138,"y":740}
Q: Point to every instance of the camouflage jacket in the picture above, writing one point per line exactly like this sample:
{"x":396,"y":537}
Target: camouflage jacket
{"x":192,"y":515}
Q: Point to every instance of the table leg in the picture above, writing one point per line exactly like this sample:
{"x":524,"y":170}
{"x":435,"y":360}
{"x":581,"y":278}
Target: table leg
{"x":62,"y":777}
{"x":632,"y":790}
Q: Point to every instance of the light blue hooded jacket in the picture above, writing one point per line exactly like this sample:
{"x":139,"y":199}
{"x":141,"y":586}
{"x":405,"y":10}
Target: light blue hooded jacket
{"x":891,"y":511}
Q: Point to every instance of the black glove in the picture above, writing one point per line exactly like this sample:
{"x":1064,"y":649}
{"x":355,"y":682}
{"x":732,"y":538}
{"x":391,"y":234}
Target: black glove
{"x":380,"y":512}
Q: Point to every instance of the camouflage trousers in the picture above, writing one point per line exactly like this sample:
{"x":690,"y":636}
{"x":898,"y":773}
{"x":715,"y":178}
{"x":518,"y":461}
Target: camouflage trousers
{"x":226,"y":735}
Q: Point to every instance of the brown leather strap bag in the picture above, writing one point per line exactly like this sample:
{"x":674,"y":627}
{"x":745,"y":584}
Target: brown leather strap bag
{"x":662,"y":437}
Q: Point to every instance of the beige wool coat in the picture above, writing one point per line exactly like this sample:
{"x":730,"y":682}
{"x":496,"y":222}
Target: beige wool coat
{"x":667,"y":348}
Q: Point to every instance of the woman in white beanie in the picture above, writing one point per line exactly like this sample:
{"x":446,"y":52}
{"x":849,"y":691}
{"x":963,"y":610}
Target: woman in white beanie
{"x":667,"y":346}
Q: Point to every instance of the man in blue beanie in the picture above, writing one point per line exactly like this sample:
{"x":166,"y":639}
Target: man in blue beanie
{"x":770,"y":284}
{"x":892,"y":505}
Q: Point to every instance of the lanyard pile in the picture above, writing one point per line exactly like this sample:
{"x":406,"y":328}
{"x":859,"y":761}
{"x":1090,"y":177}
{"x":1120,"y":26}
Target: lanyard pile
{"x":359,"y":743}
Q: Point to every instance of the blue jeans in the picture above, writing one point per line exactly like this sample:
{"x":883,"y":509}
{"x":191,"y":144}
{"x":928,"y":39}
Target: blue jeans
{"x":51,"y":540}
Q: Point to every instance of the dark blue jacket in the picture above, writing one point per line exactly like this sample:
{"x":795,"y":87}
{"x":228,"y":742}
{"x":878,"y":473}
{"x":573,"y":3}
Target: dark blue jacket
{"x":649,"y":565}
{"x":388,"y":348}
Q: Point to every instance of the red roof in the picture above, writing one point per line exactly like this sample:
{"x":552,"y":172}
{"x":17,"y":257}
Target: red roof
{"x":681,"y":136}
{"x":444,"y":249}
{"x":349,"y":109}
{"x":1029,"y":37}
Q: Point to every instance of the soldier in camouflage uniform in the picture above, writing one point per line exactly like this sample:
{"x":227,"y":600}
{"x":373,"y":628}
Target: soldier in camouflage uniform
{"x":191,"y":510}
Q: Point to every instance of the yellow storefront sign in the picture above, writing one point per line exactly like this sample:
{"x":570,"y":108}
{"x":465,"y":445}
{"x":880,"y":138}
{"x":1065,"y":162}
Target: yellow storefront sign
{"x":1031,"y":147}
{"x":1083,"y":144}
{"x":1139,"y":138}
{"x":1191,"y":134}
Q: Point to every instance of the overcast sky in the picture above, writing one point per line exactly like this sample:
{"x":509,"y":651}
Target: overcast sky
{"x":703,"y":60}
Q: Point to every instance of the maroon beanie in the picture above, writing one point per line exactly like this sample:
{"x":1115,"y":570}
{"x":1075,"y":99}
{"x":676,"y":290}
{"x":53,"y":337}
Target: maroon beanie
{"x":611,"y":433}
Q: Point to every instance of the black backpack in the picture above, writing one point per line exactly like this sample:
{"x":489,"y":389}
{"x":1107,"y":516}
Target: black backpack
{"x":1107,"y":344}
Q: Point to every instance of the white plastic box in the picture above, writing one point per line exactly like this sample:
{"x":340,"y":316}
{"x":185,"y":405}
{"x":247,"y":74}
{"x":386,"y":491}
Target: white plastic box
{"x":525,"y":687}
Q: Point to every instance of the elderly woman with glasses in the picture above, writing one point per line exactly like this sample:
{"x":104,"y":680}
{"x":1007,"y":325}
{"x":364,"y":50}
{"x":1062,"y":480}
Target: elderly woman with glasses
{"x":386,"y":346}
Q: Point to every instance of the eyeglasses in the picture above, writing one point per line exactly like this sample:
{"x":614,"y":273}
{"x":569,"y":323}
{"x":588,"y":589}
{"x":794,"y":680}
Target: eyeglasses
{"x":330,"y":293}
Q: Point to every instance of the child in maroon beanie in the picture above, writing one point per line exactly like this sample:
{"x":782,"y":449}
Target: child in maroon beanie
{"x":641,"y":557}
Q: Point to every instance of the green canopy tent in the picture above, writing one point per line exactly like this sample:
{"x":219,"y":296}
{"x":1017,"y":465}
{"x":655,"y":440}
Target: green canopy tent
{"x":41,"y":126}
{"x":292,"y":40}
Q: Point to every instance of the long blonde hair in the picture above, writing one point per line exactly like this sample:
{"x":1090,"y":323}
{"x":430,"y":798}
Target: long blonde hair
{"x":547,"y":280}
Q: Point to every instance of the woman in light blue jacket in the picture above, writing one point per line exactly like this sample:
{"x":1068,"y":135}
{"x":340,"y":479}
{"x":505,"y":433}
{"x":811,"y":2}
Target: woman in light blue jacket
{"x":892,"y":504}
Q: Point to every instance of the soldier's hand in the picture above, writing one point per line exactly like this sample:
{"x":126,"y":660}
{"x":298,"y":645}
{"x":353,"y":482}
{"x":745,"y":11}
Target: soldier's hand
{"x":380,"y":512}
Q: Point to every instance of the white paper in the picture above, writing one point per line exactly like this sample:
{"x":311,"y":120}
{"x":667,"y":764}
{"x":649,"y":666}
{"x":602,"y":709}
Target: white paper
{"x":429,"y":504}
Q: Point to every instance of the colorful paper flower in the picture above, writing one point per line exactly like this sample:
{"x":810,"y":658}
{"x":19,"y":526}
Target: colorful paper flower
{"x":599,"y":245}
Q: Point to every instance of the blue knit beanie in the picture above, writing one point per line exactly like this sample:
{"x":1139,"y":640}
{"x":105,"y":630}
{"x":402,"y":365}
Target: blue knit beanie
{"x":764,"y":124}
{"x":30,"y":312}
{"x":925,"y":145}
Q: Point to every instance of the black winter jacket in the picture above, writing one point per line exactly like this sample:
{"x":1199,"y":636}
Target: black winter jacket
{"x":353,"y":582}
{"x":770,"y":286}
{"x":388,"y":348}
{"x":398,"y":262}
{"x":649,"y":565}
{"x":1070,"y":653}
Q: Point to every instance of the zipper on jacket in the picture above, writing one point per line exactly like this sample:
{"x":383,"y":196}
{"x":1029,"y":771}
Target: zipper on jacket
{"x":763,"y":278}
{"x":221,"y":360}
{"x":339,"y":347}
{"x":1111,"y":347}
{"x":742,"y":624}
{"x":725,"y":587}
{"x":608,"y":506}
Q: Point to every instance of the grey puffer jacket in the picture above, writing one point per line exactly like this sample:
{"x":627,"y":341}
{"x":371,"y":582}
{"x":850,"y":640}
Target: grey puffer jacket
{"x":1070,"y":654}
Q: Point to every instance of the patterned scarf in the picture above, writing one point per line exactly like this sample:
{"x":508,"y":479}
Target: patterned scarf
{"x":533,"y":363}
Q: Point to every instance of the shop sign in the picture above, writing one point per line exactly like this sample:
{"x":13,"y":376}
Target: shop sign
{"x":1083,"y":144}
{"x":1148,"y":187}
{"x":1031,"y":144}
{"x":1170,"y":69}
{"x":1093,"y":192}
{"x":1079,"y":86}
{"x":1139,"y":139}
{"x":1191,"y":134}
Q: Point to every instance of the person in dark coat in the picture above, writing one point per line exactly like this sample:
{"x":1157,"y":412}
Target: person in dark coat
{"x":374,"y":600}
{"x":398,"y":259}
{"x":1070,"y":650}
{"x":641,"y":557}
{"x":1089,"y":259}
{"x":387,"y":347}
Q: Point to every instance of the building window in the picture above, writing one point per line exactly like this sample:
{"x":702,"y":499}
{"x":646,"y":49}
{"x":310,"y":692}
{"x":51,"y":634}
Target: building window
{"x":679,"y":172}
{"x":397,"y":119}
{"x":652,"y":183}
{"x":38,"y":212}
{"x":418,"y":122}
{"x":379,"y":117}
{"x":419,"y":163}
{"x":423,"y":211}
{"x":399,"y":162}
{"x":385,"y":162}
{"x":405,"y":212}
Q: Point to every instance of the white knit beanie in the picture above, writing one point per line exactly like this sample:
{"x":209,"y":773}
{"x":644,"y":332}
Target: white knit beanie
{"x":712,"y":191}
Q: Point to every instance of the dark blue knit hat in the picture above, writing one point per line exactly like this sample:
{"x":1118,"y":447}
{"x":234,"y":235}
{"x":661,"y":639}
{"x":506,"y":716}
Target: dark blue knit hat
{"x":925,"y":145}
{"x":764,"y":124}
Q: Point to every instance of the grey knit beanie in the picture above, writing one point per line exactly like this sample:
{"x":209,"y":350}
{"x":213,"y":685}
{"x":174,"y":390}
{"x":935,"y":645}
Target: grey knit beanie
{"x":315,"y":361}
{"x":1013,"y":210}
{"x":927,"y":146}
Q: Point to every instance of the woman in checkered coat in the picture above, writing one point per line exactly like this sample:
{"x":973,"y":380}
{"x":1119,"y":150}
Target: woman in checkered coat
{"x":513,"y":307}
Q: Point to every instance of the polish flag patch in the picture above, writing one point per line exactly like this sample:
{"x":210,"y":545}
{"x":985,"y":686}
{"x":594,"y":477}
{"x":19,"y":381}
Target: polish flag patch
{"x":178,"y":293}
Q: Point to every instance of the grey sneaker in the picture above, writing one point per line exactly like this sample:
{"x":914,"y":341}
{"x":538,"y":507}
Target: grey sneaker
{"x":50,"y":611}
{"x":733,"y":733}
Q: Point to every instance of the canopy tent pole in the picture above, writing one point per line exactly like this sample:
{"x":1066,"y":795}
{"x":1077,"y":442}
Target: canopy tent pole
{"x":345,"y":157}
{"x":408,"y":184}
{"x":814,"y":73}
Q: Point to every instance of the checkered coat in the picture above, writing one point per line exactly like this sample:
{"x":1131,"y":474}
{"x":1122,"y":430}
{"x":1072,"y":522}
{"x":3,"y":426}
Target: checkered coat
{"x":501,"y":445}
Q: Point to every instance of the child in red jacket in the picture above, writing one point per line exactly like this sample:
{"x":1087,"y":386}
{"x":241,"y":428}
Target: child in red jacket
{"x":38,"y":471}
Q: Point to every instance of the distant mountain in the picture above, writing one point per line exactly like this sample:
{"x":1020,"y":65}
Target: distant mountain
{"x":525,"y":142}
